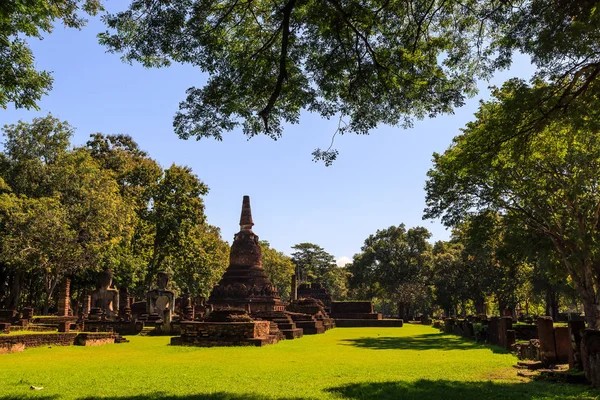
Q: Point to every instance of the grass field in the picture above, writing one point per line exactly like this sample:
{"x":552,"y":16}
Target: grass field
{"x":413,"y":362}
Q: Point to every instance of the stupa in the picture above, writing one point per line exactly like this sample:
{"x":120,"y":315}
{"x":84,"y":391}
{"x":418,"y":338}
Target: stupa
{"x":244,"y":291}
{"x":245,"y":284}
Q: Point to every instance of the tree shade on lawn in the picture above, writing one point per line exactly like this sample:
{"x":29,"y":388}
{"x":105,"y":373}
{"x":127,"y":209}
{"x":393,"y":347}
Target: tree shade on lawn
{"x":413,"y":362}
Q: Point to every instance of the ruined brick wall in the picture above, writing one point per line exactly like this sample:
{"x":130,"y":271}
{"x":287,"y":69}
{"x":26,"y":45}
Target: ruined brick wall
{"x":94,"y":339}
{"x":362,"y":323}
{"x":226,"y":329}
{"x":16,"y":343}
{"x":351,"y":307}
{"x":525,"y":332}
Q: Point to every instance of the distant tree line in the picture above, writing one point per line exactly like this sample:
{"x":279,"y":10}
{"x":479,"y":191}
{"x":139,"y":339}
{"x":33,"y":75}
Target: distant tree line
{"x":73,"y":211}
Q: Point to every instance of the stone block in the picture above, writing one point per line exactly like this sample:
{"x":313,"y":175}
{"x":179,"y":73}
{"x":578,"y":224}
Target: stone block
{"x":449,"y":324}
{"x":525,"y":332}
{"x":590,"y":356}
{"x":351,"y":307}
{"x":563,"y":344}
{"x":372,"y":323}
{"x":64,"y":326}
{"x":504,"y":325}
{"x":511,"y":339}
{"x":576,"y":328}
{"x":545,"y":327}
{"x":492,"y":331}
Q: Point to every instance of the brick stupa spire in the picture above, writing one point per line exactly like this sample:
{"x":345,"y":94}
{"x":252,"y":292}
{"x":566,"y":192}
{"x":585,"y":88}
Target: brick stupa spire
{"x":246,"y":222}
{"x":245,"y":283}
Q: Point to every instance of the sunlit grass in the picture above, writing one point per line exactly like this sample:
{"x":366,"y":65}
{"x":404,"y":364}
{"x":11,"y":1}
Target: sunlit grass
{"x":413,"y":362}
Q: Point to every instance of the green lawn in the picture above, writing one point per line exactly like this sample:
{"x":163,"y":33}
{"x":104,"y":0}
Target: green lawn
{"x":413,"y":362}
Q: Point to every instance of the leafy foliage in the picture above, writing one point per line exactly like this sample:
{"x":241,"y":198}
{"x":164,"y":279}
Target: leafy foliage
{"x":20,"y":82}
{"x":314,"y":264}
{"x":395,"y":263}
{"x":365,"y":62}
{"x":109,"y":205}
{"x":551,"y":184}
{"x":279,"y":268}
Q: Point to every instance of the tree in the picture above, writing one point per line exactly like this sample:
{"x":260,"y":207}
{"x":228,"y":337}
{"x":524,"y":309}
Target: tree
{"x":395,"y":264}
{"x":278,"y":267}
{"x":366,"y":63}
{"x":177,"y":209}
{"x":199,"y":264}
{"x":32,"y":228}
{"x":54,"y":194}
{"x":311,"y":261}
{"x":137,"y":176}
{"x":314,"y":264}
{"x":551,"y":183}
{"x":449,"y":277}
{"x":20,"y":82}
{"x":29,"y":150}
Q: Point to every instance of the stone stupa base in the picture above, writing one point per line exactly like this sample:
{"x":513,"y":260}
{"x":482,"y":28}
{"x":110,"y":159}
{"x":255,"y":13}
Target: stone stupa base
{"x":225,"y":328}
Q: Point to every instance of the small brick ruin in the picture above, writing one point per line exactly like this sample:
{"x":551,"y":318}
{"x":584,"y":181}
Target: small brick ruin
{"x":226,"y":328}
{"x":247,"y":309}
{"x":355,"y":314}
{"x":310,"y":315}
{"x":18,"y":343}
{"x":245,"y":284}
{"x":544,"y":345}
{"x":497,"y":331}
{"x":315,"y":291}
{"x":64,"y":299}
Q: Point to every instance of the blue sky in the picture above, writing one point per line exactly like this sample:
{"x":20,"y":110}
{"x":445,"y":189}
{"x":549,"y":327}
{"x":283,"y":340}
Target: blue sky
{"x":377,"y":180}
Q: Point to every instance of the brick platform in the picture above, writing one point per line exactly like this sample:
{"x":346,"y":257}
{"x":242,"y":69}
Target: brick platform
{"x":370,"y":323}
{"x":209,"y":334}
{"x":18,"y":343}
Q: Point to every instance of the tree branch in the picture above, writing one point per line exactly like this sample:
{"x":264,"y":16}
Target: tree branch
{"x":285,"y":37}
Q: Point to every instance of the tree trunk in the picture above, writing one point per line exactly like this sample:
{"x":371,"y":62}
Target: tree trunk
{"x":15,"y":291}
{"x":3,"y":282}
{"x":502,"y":305}
{"x":552,"y":304}
{"x":479,"y":305}
{"x":51,"y":282}
{"x":403,"y":311}
{"x":591,"y":313}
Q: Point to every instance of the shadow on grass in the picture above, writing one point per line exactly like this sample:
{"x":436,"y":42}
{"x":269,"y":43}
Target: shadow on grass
{"x":448,"y":390}
{"x":429,"y":341}
{"x":164,"y":396}
{"x":421,"y":390}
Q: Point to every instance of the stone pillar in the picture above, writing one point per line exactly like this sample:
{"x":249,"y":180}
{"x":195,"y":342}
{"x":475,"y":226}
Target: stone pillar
{"x":469,"y":332}
{"x":590,"y":356}
{"x":449,"y":325}
{"x":511,"y":339}
{"x":563,"y":344}
{"x":64,"y":299}
{"x":28,"y":313}
{"x":167,"y":320}
{"x":294,"y":295}
{"x":504,"y":326}
{"x":492,"y":331}
{"x":545,"y":329}
{"x":575,"y":331}
{"x":64,"y":327}
{"x":87,"y":302}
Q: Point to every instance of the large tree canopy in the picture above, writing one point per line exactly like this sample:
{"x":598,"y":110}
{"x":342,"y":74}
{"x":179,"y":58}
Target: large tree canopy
{"x":551,"y":185}
{"x":395,"y":263}
{"x":365,"y":62}
{"x":20,"y":82}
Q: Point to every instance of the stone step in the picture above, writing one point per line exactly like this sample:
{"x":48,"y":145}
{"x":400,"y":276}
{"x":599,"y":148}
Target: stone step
{"x":287,"y":326}
{"x":292,"y":333}
{"x":283,"y":320}
{"x":531,"y":365}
